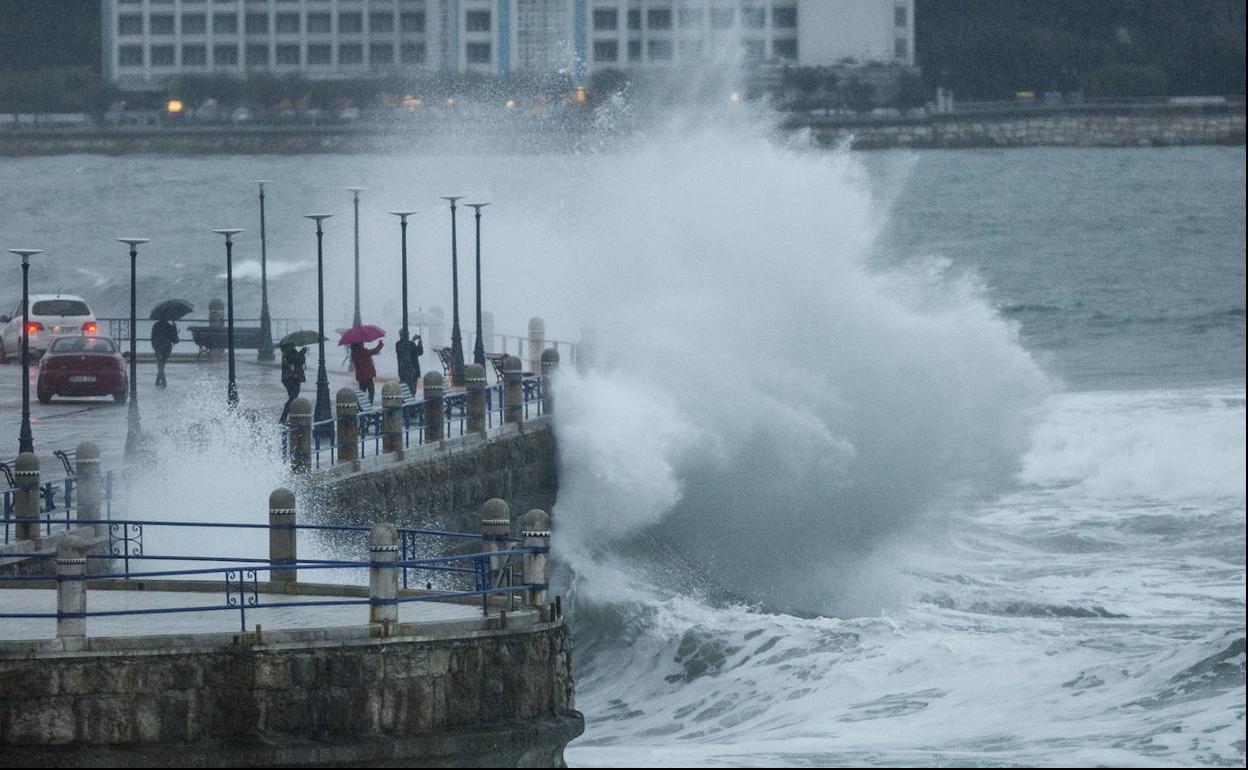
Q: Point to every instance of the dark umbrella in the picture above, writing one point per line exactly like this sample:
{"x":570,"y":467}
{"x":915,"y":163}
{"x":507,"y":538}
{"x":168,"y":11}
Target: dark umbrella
{"x":362,"y":334}
{"x":171,"y":310}
{"x":299,"y":339}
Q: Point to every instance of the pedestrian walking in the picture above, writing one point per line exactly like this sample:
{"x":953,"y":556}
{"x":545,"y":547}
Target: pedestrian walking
{"x":413,"y":349}
{"x":294,"y":366}
{"x":365,"y":372}
{"x":164,"y":337}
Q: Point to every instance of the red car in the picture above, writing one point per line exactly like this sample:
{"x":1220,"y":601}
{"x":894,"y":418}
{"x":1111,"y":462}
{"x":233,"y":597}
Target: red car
{"x":82,"y":366}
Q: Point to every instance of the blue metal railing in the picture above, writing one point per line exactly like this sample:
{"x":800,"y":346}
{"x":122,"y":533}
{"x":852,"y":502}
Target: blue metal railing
{"x":59,"y":496}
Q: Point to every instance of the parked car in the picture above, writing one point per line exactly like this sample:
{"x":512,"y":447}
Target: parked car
{"x":51,"y":315}
{"x":82,"y":366}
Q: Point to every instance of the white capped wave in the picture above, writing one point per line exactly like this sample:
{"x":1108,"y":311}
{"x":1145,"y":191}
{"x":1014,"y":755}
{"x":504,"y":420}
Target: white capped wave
{"x":249,"y":269}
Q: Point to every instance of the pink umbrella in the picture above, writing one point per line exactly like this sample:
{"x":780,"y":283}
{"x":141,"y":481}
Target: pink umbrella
{"x":361,"y":334}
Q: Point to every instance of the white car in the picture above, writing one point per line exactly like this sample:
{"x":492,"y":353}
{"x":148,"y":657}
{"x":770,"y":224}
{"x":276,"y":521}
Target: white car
{"x":51,"y":315}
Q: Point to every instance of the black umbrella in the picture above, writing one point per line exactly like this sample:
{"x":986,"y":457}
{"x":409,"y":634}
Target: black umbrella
{"x":171,"y":310}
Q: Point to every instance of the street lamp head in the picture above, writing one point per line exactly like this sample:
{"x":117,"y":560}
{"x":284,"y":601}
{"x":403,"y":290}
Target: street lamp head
{"x":132,"y":242}
{"x":453,"y":198}
{"x":26,"y":254}
{"x":261,"y":182}
{"x":228,"y":232}
{"x":404,"y":214}
{"x":317,"y":217}
{"x":356,"y":190}
{"x":477,"y":206}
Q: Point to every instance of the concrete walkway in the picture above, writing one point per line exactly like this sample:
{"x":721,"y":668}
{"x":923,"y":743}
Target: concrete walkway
{"x":17,"y":600}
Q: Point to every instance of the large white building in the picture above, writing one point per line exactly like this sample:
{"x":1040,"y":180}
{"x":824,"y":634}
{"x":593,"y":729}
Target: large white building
{"x":147,"y":41}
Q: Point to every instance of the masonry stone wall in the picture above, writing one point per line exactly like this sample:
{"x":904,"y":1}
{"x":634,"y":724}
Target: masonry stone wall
{"x":491,"y":698}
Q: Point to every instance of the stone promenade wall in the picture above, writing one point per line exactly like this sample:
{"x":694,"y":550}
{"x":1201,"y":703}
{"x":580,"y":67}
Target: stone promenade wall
{"x":490,"y":698}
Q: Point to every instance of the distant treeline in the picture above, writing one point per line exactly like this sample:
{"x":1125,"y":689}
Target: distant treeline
{"x":990,"y":49}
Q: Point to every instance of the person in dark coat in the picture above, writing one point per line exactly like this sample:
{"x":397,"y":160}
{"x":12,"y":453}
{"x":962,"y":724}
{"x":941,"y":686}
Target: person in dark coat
{"x":412,"y":349}
{"x":365,"y":372}
{"x":294,"y":365}
{"x":164,"y":337}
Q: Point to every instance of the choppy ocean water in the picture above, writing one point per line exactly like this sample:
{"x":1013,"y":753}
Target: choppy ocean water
{"x":892,"y":458}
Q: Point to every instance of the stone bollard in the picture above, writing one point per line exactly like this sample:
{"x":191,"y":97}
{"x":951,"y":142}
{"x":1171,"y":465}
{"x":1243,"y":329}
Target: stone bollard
{"x":495,"y":529}
{"x":71,"y":588}
{"x":474,"y":378}
{"x":487,"y":331}
{"x":347,"y":413}
{"x":383,"y":576}
{"x":513,"y":391}
{"x":90,"y":484}
{"x":435,"y":407}
{"x":537,"y":341}
{"x":299,"y":435}
{"x":392,"y":419}
{"x":283,"y":537}
{"x":535,"y":527}
{"x":216,"y":322}
{"x":550,"y":363}
{"x":26,"y":495}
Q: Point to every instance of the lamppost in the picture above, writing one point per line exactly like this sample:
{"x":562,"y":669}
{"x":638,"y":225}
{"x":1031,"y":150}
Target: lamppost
{"x":457,"y":342}
{"x":25,"y":442}
{"x":133,"y":429}
{"x":478,"y":349}
{"x":231,"y":392}
{"x":355,"y":192}
{"x":265,"y":353}
{"x":321,"y":415}
{"x":401,"y":351}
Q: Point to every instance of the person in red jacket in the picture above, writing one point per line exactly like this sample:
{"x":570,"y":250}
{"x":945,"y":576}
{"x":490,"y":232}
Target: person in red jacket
{"x":362,"y":360}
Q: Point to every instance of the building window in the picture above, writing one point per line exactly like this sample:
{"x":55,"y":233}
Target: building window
{"x":224,"y":24}
{"x":753,"y":50}
{"x":659,"y":18}
{"x":320,"y":23}
{"x":225,"y":55}
{"x":161,"y":24}
{"x":691,"y":50}
{"x":606,"y":50}
{"x":606,"y":19}
{"x":721,"y":18}
{"x":412,"y":53}
{"x":320,"y":54}
{"x":785,"y":48}
{"x":194,"y":55}
{"x":162,"y":56}
{"x":689,"y":17}
{"x":194,"y":24}
{"x":130,"y":24}
{"x":412,"y":21}
{"x":381,"y":22}
{"x":350,"y":53}
{"x":477,"y":21}
{"x":350,"y":23}
{"x":901,"y":48}
{"x":257,"y":55}
{"x":381,"y":54}
{"x":288,"y":55}
{"x":784,"y":16}
{"x":753,"y":17}
{"x":287,"y":23}
{"x":634,"y":50}
{"x":660,"y":50}
{"x":478,"y":53}
{"x":130,"y":55}
{"x":257,"y":24}
{"x":634,"y":19}
{"x":901,"y":16}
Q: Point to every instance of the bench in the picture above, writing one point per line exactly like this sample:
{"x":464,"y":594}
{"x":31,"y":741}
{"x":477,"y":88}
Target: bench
{"x":444,"y":355}
{"x":210,"y":338}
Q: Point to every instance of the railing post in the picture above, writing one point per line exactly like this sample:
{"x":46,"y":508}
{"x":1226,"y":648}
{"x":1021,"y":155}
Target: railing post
{"x":537,"y":342}
{"x":513,"y":390}
{"x":495,"y":529}
{"x":347,"y":412}
{"x":435,"y":406}
{"x":299,"y":435}
{"x":474,"y":377}
{"x":90,"y":486}
{"x":536,"y":530}
{"x":383,"y":576}
{"x":392,"y":419}
{"x":550,"y":363}
{"x":283,"y":538}
{"x":26,"y":495}
{"x":71,"y":589}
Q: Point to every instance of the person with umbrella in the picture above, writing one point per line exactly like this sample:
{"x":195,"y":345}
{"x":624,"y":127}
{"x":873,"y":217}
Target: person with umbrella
{"x":294,"y":365}
{"x":362,"y":357}
{"x":165,"y":333}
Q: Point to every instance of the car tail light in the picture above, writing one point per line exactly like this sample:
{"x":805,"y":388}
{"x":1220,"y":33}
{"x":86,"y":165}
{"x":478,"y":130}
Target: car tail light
{"x":90,"y":327}
{"x":34,"y":327}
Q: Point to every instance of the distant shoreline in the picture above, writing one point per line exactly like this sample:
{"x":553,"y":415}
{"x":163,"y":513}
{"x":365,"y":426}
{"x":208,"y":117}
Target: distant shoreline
{"x":1151,"y":127}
